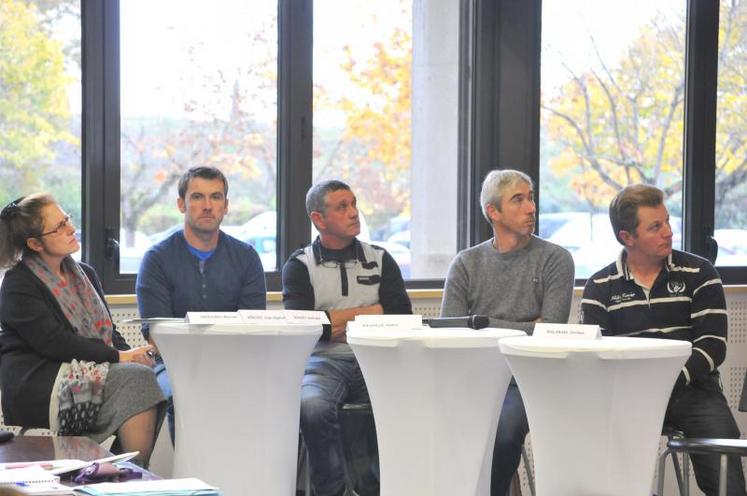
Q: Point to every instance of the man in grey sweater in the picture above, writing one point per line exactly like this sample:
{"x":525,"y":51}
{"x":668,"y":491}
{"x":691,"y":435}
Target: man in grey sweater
{"x":516,"y":279}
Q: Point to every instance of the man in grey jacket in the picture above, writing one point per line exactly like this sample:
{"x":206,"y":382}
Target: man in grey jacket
{"x":516,"y":279}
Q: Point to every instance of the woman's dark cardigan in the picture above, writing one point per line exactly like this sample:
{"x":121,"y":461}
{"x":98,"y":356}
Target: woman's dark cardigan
{"x":35,"y":338}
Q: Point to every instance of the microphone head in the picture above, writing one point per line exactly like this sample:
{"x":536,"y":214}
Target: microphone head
{"x":479,"y":321}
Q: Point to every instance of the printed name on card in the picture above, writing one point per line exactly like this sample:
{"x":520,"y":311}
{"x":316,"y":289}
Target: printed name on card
{"x":389,"y":321}
{"x":283,"y":317}
{"x":213,"y":318}
{"x":306,"y":317}
{"x":263,"y":317}
{"x":575,"y":331}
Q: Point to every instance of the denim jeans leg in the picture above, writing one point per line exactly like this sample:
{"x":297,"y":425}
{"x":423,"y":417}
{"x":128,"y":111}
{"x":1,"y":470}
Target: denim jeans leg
{"x":163,"y":382}
{"x":701,"y":410}
{"x":509,"y":441}
{"x":325,"y":387}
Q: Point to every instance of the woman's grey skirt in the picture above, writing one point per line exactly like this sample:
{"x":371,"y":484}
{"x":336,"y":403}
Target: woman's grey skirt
{"x":130,"y":388}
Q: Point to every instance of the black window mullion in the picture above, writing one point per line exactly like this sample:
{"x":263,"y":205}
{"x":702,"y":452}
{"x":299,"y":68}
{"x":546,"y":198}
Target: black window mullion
{"x":295,"y":80}
{"x":502,"y":128}
{"x":114,"y":281}
{"x":100,"y":29}
{"x":699,"y":172}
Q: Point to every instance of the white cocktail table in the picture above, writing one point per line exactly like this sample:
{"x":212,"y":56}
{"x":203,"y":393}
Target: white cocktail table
{"x":237,"y":392}
{"x":436,"y":396}
{"x":595,"y":409}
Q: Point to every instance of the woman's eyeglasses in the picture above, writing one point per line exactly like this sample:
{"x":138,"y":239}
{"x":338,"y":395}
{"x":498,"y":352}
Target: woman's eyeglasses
{"x":64,"y":223}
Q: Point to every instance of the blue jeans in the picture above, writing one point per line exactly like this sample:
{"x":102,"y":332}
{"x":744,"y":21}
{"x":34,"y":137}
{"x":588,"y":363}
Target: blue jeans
{"x":700,"y":410}
{"x":163,"y":382}
{"x":509,"y":441}
{"x":329,"y":381}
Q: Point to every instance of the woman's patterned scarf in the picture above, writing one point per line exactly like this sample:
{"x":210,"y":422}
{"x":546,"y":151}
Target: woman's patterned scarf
{"x":81,"y":383}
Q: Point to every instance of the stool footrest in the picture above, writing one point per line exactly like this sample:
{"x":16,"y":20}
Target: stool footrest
{"x":709,"y":446}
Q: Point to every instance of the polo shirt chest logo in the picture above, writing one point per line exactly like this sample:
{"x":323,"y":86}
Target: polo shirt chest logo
{"x":369,"y":280}
{"x":622,"y":298}
{"x":676,"y":287}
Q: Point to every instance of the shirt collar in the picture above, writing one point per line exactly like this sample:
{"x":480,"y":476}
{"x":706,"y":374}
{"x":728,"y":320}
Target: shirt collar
{"x":351,"y":252}
{"x":622,"y":264}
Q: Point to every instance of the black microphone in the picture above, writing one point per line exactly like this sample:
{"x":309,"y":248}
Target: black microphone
{"x":471,"y":321}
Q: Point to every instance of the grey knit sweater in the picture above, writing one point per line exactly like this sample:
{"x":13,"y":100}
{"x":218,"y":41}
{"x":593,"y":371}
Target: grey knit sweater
{"x":514,"y":289}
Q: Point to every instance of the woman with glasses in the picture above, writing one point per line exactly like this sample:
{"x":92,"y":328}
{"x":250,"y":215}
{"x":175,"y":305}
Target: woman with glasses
{"x":63,"y":365}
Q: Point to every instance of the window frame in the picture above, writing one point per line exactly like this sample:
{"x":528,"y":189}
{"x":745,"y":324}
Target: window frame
{"x":499,"y":114}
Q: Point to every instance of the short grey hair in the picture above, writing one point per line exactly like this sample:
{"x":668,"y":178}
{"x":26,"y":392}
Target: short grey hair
{"x":495,"y":185}
{"x":317,"y":195}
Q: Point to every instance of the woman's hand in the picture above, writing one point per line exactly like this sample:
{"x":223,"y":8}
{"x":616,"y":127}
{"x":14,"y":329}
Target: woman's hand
{"x":141,"y":354}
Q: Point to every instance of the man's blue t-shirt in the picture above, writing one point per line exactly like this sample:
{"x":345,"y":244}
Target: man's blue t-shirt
{"x":172,"y":280}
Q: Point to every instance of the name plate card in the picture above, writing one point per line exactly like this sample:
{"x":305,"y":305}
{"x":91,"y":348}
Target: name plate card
{"x":575,"y":331}
{"x":258,"y":317}
{"x":283,"y":317}
{"x":213,"y":318}
{"x":391,"y":322}
{"x":306,"y":317}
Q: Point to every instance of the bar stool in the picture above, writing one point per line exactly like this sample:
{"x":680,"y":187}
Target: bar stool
{"x":356,"y":421}
{"x":530,"y":475}
{"x":708,"y":446}
{"x":302,"y":467}
{"x":671,"y":433}
{"x":702,"y":446}
{"x":360,"y":447}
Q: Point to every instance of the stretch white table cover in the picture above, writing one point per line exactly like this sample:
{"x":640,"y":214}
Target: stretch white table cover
{"x":595,"y":409}
{"x":237,"y":398}
{"x":436,"y":396}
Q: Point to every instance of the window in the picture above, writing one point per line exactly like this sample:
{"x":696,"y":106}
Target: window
{"x":40,"y":101}
{"x":613,"y":91}
{"x":385,"y":101}
{"x":731,"y":137}
{"x":276,"y":96}
{"x":198,"y":87}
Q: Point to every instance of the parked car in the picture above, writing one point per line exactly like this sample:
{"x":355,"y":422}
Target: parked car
{"x":589,"y":238}
{"x":732,"y":247}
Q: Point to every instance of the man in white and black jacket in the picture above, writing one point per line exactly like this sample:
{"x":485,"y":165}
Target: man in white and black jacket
{"x":344,"y":277}
{"x":653,"y":291}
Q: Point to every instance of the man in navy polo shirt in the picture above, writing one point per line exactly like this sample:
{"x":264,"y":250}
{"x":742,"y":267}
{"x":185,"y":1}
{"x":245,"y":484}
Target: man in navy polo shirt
{"x":199,"y":268}
{"x":653,"y":291}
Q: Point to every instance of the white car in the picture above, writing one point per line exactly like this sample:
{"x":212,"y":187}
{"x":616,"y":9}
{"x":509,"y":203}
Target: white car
{"x":732,"y":247}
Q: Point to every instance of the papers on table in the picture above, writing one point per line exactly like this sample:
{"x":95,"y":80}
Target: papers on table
{"x":42,"y":477}
{"x":32,"y":474}
{"x":45,"y":489}
{"x":58,"y":467}
{"x":33,"y":479}
{"x":166,"y":487}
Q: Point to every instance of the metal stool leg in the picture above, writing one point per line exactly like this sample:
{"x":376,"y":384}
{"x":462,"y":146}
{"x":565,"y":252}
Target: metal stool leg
{"x":528,"y":468}
{"x":303,"y":465}
{"x":678,"y":473}
{"x":660,"y":472}
{"x":686,"y":474}
{"x":722,"y":477}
